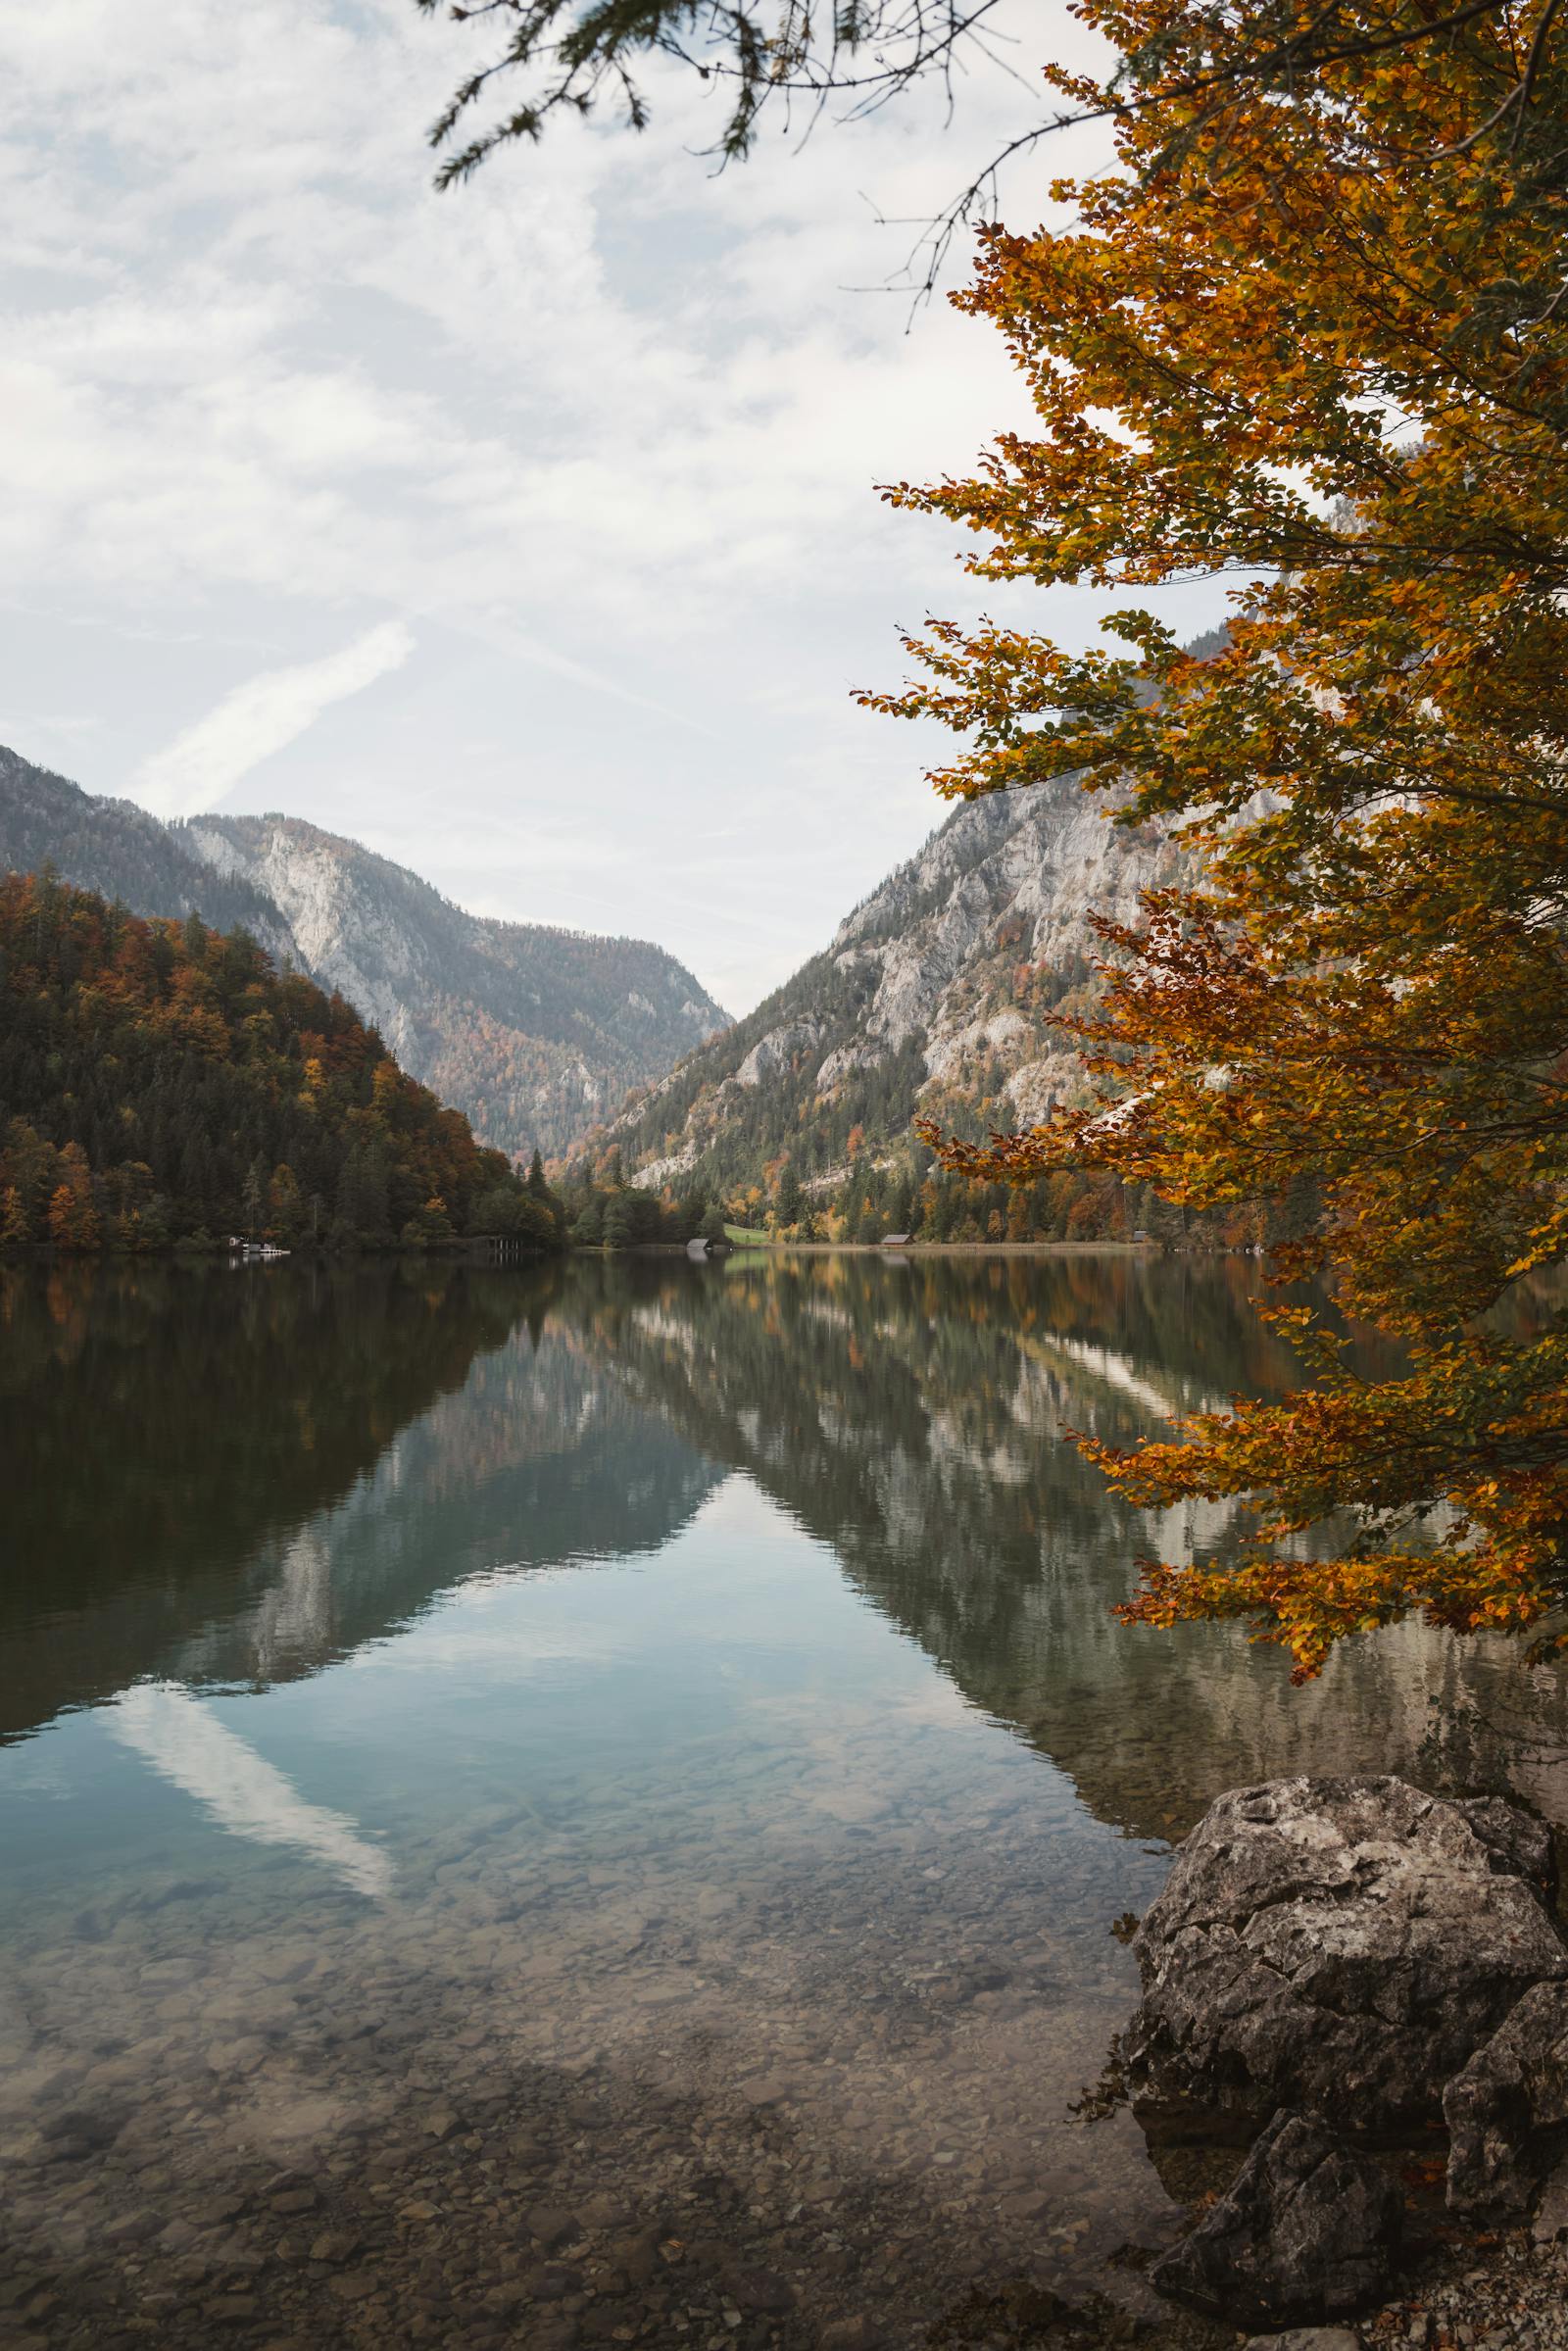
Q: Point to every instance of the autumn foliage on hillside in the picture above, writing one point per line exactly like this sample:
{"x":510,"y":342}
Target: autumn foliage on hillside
{"x":1315,"y":337}
{"x":160,"y":1081}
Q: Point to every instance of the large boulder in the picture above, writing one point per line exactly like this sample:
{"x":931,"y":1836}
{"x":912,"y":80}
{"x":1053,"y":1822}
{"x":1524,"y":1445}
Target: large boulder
{"x":1309,"y":2230}
{"x":1341,"y":1946}
{"x":1507,"y":2109}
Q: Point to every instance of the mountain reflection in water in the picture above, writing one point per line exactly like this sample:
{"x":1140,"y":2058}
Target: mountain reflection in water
{"x":278,"y":1470}
{"x":586,"y":1803}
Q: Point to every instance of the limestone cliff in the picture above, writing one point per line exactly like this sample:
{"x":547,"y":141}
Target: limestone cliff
{"x":935,"y":993}
{"x":535,"y":1032}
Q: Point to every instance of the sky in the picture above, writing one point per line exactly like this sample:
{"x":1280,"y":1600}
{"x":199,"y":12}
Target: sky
{"x":526,"y":533}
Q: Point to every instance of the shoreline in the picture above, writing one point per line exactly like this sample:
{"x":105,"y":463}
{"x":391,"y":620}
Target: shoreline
{"x":935,"y":1249}
{"x":493,"y":1250}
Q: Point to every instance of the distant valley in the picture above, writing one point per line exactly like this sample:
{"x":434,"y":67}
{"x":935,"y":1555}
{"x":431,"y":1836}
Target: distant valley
{"x":935,"y":993}
{"x":535,"y":1034}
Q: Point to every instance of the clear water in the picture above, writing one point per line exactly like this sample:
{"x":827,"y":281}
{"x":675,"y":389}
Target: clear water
{"x":588,"y":1804}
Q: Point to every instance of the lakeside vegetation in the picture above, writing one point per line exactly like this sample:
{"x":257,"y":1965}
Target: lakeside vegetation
{"x":166,"y":1087}
{"x":909,"y":1191}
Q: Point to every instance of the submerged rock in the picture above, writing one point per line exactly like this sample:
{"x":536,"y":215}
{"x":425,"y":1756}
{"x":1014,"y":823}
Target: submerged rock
{"x":1507,"y":2110}
{"x":1550,"y":2219}
{"x":1307,"y":2338}
{"x":1339,"y":1945}
{"x":1309,"y":2231}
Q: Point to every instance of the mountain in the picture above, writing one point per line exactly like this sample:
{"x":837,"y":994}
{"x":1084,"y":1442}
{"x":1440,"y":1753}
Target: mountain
{"x":933,"y":996}
{"x":115,"y":848}
{"x":161,"y":1080}
{"x":533,"y":1033}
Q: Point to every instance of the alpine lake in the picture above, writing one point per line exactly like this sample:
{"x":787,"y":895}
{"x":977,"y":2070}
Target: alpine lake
{"x":589,"y":1803}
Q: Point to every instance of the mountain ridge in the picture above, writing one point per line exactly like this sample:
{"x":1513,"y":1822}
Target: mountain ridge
{"x":933,"y":996}
{"x":534,"y":1031}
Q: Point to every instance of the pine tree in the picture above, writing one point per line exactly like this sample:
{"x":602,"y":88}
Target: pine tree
{"x":254,"y":1199}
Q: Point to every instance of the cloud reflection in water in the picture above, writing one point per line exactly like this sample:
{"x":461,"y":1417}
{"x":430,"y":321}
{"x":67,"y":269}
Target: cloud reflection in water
{"x":184,"y":1742}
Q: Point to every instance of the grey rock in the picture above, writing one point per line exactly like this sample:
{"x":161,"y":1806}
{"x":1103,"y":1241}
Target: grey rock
{"x":353,"y":2285}
{"x":231,"y":2309}
{"x":551,"y":2282}
{"x":1307,"y":2338}
{"x":335,"y":2245}
{"x":293,"y":2201}
{"x":216,"y":2210}
{"x":919,"y":968}
{"x":1340,"y":1945}
{"x":777,"y":1049}
{"x":1308,"y":2230}
{"x":1550,"y":2219}
{"x":133,"y":2227}
{"x":1507,"y":2110}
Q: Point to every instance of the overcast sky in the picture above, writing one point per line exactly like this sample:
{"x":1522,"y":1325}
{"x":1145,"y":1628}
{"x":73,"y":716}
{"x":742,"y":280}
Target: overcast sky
{"x":527,"y":533}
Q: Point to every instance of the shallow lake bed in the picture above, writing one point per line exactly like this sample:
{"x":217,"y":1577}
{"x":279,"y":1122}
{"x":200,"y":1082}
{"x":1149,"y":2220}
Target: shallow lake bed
{"x":589,"y":1803}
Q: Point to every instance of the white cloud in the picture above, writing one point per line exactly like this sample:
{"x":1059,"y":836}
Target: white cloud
{"x":604,"y":427}
{"x":201,"y":765}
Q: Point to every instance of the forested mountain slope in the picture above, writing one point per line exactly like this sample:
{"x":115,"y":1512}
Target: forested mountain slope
{"x":161,"y":1080}
{"x":533,"y":1033}
{"x":933,"y":997}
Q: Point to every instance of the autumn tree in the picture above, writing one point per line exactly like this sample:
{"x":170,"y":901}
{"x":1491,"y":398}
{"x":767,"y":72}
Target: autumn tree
{"x":73,"y":1216}
{"x":283,"y":1208}
{"x":13,"y":1218}
{"x":1318,"y":340}
{"x":1178,"y":65}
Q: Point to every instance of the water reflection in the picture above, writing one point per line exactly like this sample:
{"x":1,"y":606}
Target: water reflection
{"x":239,"y":1477}
{"x":916,"y":1418}
{"x":282,"y":1469}
{"x":586,"y":1805}
{"x":238,"y":1789}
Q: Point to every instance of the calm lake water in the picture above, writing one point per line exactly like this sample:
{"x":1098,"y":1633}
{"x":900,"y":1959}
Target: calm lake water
{"x":588,"y":1804}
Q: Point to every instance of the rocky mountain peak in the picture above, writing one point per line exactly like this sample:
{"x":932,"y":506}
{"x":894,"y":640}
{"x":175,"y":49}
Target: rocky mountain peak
{"x":935,"y":991}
